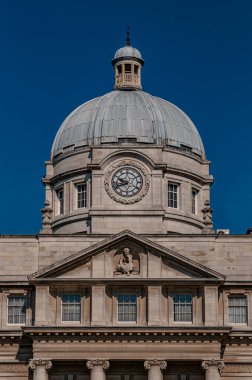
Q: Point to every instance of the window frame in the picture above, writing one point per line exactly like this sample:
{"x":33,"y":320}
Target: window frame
{"x":124,"y":295}
{"x":194,"y":201}
{"x":173,"y":308}
{"x":81,"y":183}
{"x":237,"y":296}
{"x":132,"y":291}
{"x":60,"y":202}
{"x":12,"y":295}
{"x":242,"y":293}
{"x":197,"y":305}
{"x":84,"y":307}
{"x":177,"y":195}
{"x":62,"y":303}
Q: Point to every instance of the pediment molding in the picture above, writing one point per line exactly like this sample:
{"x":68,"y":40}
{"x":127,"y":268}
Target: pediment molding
{"x":169,"y":256}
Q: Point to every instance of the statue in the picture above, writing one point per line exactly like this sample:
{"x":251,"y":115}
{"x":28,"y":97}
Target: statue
{"x":125,"y":265}
{"x":46,"y":218}
{"x":207,"y":212}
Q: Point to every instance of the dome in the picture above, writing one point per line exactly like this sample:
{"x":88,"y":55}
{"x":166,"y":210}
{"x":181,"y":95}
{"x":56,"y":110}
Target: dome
{"x":127,"y":51}
{"x":127,"y":116}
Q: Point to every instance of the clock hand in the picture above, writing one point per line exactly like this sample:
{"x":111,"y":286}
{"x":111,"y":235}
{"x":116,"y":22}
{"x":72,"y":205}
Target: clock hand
{"x":115,"y":185}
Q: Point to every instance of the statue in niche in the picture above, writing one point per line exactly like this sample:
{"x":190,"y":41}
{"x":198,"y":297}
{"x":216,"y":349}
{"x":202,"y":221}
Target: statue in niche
{"x":126,"y":265}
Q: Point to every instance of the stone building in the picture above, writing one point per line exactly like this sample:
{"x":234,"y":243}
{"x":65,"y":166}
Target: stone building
{"x":127,"y":279}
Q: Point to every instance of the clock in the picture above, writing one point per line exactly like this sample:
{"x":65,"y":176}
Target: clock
{"x":127,"y":181}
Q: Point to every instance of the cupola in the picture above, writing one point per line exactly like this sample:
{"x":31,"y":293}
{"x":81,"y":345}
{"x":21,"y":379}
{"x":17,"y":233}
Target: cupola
{"x":127,"y":65}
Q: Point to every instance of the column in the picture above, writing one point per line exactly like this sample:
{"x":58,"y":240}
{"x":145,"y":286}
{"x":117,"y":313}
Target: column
{"x":40,"y":367}
{"x":97,"y":368}
{"x":155,"y":368}
{"x":212,"y":368}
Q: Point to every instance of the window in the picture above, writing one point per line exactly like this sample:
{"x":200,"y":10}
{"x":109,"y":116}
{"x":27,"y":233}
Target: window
{"x":172,"y":195}
{"x":16,"y":309}
{"x":127,"y":68}
{"x":194,"y":201}
{"x":71,"y":307}
{"x":136,"y":69}
{"x":81,"y":195}
{"x":70,"y":377}
{"x":237,"y":309}
{"x":183,"y":377}
{"x":127,"y":307}
{"x":182,"y":308}
{"x":60,"y":196}
{"x":119,"y":68}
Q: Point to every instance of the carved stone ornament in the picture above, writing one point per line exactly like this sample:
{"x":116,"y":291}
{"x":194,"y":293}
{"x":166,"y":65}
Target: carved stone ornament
{"x":213,"y":363}
{"x":207,"y":212}
{"x":46,"y":215}
{"x":159,"y":363}
{"x":40,"y":362}
{"x":238,"y":368}
{"x":97,"y":362}
{"x":131,"y":164}
{"x":125,"y":265}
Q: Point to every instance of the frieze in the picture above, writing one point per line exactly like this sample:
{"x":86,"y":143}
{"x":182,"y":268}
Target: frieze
{"x":13,"y":368}
{"x":237,"y":368}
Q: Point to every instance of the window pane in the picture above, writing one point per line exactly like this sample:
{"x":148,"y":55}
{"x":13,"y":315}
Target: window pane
{"x":237,"y":309}
{"x":81,"y":195}
{"x":194,"y":199}
{"x":172,"y":195}
{"x":16,"y":309}
{"x":182,"y":307}
{"x":60,"y":196}
{"x":71,"y":307}
{"x":127,"y":308}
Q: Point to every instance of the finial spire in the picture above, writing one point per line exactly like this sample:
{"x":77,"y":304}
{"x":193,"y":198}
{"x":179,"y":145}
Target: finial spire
{"x":128,"y":35}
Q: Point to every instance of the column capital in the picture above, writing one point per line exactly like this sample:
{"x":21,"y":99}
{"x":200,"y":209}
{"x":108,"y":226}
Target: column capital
{"x":97,"y":363}
{"x":213,"y":363}
{"x":34,"y":363}
{"x":162,"y":364}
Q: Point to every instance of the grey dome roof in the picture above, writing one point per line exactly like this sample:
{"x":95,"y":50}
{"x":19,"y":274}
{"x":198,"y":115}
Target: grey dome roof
{"x":125,"y":115}
{"x":128,"y":51}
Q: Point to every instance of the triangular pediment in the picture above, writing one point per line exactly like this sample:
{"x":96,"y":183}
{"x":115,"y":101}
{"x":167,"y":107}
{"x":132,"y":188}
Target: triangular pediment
{"x":126,"y":256}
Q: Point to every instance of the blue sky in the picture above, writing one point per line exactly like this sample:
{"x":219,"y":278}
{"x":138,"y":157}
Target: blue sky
{"x":56,"y":54}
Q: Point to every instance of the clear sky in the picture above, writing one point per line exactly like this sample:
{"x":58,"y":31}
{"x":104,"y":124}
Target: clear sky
{"x":56,"y":54}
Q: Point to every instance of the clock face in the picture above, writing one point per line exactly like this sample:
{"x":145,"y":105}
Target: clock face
{"x":127,"y":181}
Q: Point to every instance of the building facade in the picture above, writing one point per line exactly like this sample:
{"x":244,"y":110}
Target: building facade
{"x":127,"y":279}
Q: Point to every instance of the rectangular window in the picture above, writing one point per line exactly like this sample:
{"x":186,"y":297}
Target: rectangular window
{"x":194,"y":201}
{"x":172,"y":195}
{"x":127,"y":307}
{"x":16,"y":309}
{"x":183,"y":377}
{"x":237,"y":309}
{"x":182,"y":307}
{"x":71,"y":307}
{"x":81,"y":195}
{"x":60,"y":196}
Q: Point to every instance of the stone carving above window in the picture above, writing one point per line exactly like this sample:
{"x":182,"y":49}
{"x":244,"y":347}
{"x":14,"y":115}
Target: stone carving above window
{"x":126,"y":262}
